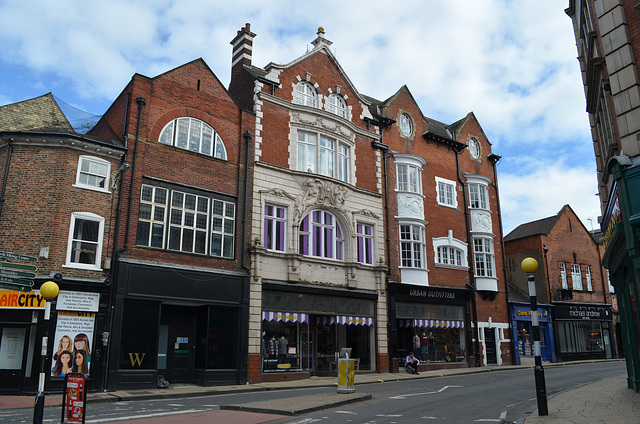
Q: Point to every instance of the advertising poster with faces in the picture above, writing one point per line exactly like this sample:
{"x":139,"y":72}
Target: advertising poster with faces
{"x":72,"y":343}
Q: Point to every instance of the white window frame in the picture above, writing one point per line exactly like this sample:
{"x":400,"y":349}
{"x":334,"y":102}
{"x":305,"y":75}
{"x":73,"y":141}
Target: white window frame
{"x":197,"y":132}
{"x":337,"y":105}
{"x":576,"y":277}
{"x":103,"y":171}
{"x":323,"y":155}
{"x":446,"y":192}
{"x":409,"y":178}
{"x":484,"y":257}
{"x":478,"y":196}
{"x":563,"y":276}
{"x":587,"y":273}
{"x":216,"y":221}
{"x":305,"y":94}
{"x":406,"y":124}
{"x":85,"y":216}
{"x":413,"y":252}
{"x":449,"y":244}
{"x":151,"y":199}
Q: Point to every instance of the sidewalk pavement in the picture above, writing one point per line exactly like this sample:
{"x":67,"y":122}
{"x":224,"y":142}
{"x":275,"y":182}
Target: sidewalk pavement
{"x":606,"y":401}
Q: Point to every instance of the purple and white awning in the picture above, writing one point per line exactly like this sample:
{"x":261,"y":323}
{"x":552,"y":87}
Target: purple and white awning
{"x":345,"y":320}
{"x":285,"y":316}
{"x":430,"y":323}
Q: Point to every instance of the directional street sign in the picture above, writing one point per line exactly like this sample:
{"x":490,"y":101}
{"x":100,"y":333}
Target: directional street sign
{"x":16,"y":287}
{"x":17,"y":266}
{"x":16,"y":281}
{"x":15,"y":257}
{"x":18,"y":274}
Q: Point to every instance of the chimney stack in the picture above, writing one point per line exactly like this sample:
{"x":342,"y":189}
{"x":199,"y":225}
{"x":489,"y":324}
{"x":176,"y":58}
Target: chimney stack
{"x":242,"y":48}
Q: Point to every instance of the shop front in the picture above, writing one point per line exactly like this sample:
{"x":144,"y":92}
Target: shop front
{"x":522,"y":336}
{"x":177,"y":326}
{"x":20,"y":313}
{"x":306,"y":329}
{"x":432,"y":322}
{"x":583,"y":331}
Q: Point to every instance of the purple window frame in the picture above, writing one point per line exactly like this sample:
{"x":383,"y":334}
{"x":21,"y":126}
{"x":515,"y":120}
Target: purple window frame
{"x":365,"y":244}
{"x":274,"y":227}
{"x":321,"y":236}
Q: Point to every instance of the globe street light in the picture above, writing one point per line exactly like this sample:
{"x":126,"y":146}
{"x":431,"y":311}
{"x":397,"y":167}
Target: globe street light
{"x":49,"y":290}
{"x":530,"y":266}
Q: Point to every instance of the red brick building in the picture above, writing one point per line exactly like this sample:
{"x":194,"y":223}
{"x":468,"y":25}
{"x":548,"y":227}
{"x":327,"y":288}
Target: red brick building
{"x":56,"y":217}
{"x":180,"y":274}
{"x":447,"y":296}
{"x":571,"y":280}
{"x":326,"y":181}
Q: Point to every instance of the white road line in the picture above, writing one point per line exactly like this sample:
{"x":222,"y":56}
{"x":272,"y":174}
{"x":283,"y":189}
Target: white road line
{"x":420,"y":394}
{"x":487,"y":420}
{"x":134,"y":417}
{"x":391,"y":416}
{"x":503,"y":415}
{"x":429,"y":418}
{"x":346,"y":412}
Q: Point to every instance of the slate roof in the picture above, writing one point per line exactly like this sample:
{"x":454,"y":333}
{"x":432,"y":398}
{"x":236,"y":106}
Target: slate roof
{"x":541,"y":226}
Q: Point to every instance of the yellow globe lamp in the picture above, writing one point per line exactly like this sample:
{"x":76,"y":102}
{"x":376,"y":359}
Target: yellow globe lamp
{"x":49,"y":290}
{"x":529,"y":265}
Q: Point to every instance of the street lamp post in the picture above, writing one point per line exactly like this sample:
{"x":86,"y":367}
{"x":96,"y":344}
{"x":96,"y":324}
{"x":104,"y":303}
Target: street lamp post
{"x":49,"y":290}
{"x":530,"y":266}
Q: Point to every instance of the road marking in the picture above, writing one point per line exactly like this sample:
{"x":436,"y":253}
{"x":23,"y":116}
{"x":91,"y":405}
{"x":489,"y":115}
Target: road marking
{"x":346,"y":412}
{"x":391,"y":416}
{"x":134,"y":417}
{"x":174,"y":404}
{"x":488,"y":420}
{"x":420,"y":394}
{"x":429,"y":418}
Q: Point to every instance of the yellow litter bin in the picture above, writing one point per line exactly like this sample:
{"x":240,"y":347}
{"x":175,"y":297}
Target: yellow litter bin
{"x":345,"y":376}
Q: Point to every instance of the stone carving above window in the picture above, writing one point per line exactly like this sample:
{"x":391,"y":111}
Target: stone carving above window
{"x":322,"y":124}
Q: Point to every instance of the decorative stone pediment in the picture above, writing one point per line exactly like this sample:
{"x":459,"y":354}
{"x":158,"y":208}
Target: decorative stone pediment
{"x":410,"y":206}
{"x":316,"y":192}
{"x":323,"y":124}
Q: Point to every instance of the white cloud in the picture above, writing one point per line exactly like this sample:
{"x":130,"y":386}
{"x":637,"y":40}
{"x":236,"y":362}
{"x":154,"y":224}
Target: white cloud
{"x":511,"y":62}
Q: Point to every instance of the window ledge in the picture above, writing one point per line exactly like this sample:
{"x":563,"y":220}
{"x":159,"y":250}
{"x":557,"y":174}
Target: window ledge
{"x":83,"y":266}
{"x":457,"y":267}
{"x":92,"y":188}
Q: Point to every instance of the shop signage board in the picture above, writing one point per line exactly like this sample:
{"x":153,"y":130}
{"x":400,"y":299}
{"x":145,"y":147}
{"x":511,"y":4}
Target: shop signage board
{"x":78,"y":301}
{"x":14,"y":275}
{"x":74,"y":405}
{"x":15,"y":299}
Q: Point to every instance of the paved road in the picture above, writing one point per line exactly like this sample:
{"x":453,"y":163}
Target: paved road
{"x":501,"y":396}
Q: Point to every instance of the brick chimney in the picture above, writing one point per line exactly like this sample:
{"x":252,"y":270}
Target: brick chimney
{"x":241,"y":84}
{"x":242,"y":48}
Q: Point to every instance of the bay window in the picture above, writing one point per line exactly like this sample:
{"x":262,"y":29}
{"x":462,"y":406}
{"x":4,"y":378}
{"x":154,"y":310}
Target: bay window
{"x":321,"y":236}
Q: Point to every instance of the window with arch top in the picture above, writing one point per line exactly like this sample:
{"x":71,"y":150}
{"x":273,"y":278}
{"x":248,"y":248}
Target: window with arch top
{"x":305,"y":94}
{"x":321,"y":236}
{"x":337,"y":105}
{"x":194,"y":135}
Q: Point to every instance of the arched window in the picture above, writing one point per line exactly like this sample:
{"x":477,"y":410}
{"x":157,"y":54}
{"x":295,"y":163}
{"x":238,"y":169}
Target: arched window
{"x":337,"y":105}
{"x":305,"y":94}
{"x":193,"y":135}
{"x":321,"y":236}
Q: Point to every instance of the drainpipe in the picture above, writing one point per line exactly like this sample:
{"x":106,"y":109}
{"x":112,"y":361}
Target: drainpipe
{"x":247,"y":138}
{"x":386,"y":123}
{"x":472,"y":277}
{"x":116,"y":253}
{"x":141,"y":102}
{"x":6,"y":174}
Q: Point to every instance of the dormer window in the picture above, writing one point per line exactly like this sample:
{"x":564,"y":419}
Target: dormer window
{"x":305,"y":94}
{"x":193,"y":135}
{"x":337,"y":105}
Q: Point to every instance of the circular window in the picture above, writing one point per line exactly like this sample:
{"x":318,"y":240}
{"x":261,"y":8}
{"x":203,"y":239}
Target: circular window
{"x":474,"y":148}
{"x":406,"y":126}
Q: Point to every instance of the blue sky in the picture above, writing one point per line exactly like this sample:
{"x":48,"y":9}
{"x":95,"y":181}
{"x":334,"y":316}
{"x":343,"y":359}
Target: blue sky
{"x":510,"y":62}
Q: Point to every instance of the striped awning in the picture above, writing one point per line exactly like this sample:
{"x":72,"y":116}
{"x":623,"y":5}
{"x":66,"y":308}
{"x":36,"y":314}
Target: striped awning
{"x":285,"y":316}
{"x":345,"y":320}
{"x":430,"y":323}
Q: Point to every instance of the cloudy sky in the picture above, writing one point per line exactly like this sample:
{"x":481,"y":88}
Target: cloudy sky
{"x":511,"y":62}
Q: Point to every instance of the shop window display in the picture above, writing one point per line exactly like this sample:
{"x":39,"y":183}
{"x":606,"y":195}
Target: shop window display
{"x":434,"y":341}
{"x":285,"y":346}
